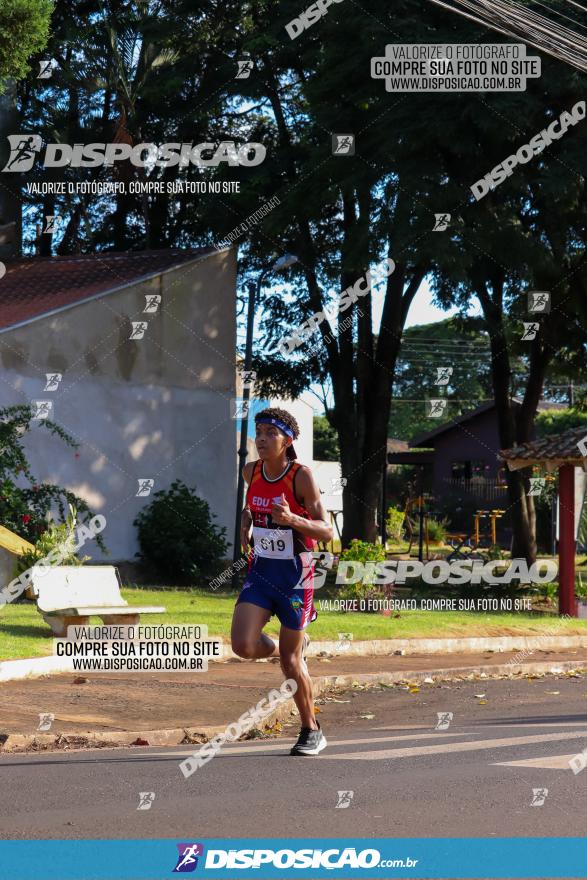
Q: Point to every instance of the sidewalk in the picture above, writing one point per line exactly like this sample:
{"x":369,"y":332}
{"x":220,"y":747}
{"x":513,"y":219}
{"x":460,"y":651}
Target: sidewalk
{"x":168,"y":708}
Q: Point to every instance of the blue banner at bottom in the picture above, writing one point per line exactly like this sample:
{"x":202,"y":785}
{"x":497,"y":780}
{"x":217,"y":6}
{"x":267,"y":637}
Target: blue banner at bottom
{"x":276,"y":858}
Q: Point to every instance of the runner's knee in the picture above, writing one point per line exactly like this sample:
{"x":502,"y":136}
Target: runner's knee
{"x":291,"y":665}
{"x":244,"y":647}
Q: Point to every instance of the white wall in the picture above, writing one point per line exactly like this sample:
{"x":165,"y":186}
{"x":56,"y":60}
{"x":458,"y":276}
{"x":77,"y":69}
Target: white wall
{"x":157,"y":408}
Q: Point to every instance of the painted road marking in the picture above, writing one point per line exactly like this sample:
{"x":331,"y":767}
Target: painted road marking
{"x":247,"y":748}
{"x":552,"y":762}
{"x":446,"y":748}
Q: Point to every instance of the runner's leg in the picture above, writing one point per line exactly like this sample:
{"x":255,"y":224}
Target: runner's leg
{"x":290,"y":653}
{"x":247,"y":636}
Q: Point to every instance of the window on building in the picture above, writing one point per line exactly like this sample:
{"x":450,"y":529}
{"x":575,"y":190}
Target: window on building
{"x":469,"y":469}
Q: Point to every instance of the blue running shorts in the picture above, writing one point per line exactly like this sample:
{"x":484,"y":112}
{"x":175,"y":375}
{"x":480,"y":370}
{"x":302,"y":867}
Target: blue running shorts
{"x":283,"y":586}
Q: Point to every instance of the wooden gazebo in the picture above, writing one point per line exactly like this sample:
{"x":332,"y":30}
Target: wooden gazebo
{"x":563,"y":452}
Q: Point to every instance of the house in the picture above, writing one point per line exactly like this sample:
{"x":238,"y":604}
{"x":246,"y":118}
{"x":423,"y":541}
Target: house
{"x":463,"y":454}
{"x":133,"y":354}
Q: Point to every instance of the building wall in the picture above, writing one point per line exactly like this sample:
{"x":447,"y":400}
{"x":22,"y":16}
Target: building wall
{"x":475,"y":439}
{"x":155,"y":408}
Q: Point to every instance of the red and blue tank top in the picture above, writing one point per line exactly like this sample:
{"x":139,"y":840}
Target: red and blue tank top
{"x":272,"y":540}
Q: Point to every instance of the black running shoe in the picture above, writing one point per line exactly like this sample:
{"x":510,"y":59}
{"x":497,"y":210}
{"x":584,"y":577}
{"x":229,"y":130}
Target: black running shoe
{"x":310,"y":742}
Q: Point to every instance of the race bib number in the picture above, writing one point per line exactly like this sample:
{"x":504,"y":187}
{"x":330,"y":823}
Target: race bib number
{"x":273,"y":543}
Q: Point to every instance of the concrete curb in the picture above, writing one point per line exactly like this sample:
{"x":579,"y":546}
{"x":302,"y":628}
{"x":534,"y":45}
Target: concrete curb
{"x":197,"y":735}
{"x":34,"y":667}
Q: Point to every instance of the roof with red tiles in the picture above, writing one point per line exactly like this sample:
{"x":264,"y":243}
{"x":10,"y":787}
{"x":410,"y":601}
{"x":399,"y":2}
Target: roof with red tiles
{"x":569,"y":447}
{"x":37,"y":286}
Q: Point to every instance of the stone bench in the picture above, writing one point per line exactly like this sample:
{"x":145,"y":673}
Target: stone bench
{"x":68,"y":595}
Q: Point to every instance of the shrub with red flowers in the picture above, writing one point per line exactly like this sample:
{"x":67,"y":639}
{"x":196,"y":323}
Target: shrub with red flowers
{"x":26,"y":505}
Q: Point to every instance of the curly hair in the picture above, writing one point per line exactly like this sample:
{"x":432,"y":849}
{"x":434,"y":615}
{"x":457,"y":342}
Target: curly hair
{"x":274,"y":412}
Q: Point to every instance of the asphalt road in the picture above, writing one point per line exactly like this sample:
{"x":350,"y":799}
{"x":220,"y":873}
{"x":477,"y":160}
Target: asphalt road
{"x":476,"y":778}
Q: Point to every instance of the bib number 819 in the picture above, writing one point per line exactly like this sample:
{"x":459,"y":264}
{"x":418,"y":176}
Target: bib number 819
{"x":271,"y":544}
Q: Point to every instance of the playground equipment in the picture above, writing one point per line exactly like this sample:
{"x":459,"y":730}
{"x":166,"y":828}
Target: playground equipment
{"x":418,"y":503}
{"x":472,"y":546}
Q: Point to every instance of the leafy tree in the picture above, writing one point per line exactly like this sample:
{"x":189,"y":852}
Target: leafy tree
{"x":325,"y":440}
{"x":27,"y":506}
{"x":24,"y":29}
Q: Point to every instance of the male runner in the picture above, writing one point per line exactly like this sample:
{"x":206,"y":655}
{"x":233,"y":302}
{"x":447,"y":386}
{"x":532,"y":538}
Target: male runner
{"x":283,"y":506}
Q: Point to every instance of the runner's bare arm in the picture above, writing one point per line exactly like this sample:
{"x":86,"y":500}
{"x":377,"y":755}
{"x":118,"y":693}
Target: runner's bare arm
{"x":246,"y":517}
{"x":309,"y":494}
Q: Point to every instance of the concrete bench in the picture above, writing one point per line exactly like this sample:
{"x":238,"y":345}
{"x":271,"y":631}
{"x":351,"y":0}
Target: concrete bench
{"x":68,"y":595}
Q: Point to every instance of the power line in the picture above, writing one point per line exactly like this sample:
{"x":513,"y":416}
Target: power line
{"x":516,"y":20}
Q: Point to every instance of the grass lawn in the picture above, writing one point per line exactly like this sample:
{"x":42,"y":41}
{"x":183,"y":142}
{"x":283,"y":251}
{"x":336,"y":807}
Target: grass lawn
{"x":23,"y":633}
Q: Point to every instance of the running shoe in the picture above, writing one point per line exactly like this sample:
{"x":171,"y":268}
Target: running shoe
{"x":310,"y":742}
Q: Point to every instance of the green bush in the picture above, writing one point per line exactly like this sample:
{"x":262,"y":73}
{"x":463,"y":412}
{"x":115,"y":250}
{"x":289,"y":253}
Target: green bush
{"x":360,"y":551}
{"x":26,"y":505}
{"x":177,"y":536}
{"x":62,"y":538}
{"x":436,"y":530}
{"x":395,"y":524}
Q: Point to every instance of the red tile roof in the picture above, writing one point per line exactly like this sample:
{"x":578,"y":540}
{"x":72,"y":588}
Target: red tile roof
{"x":36,"y":286}
{"x":556,"y":447}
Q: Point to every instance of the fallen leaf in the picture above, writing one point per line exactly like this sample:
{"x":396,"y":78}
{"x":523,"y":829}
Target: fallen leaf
{"x":368,"y":717}
{"x":428,"y":680}
{"x":482,"y":703}
{"x":414,"y":690}
{"x":554,"y":693}
{"x":81,"y":680}
{"x":317,"y":709}
{"x":140,"y":742}
{"x":479,"y":696}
